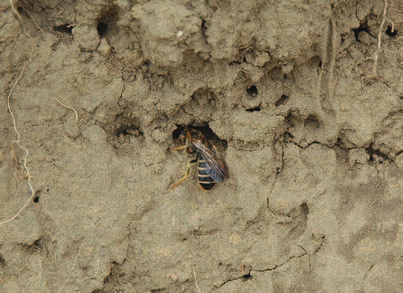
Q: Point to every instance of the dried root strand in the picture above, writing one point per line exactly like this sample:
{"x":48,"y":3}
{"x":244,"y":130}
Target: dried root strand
{"x":17,"y":142}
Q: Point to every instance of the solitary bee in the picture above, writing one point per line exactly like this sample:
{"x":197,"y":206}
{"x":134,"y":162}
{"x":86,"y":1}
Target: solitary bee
{"x":210,"y":169}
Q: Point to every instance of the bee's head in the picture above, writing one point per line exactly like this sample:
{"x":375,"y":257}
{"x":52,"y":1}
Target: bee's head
{"x":185,"y":137}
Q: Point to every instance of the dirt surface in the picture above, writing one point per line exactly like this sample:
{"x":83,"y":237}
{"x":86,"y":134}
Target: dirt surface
{"x":305,"y":96}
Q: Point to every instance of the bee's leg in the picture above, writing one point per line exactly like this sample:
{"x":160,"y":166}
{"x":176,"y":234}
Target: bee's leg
{"x":213,"y":148}
{"x":179,"y":148}
{"x":187,"y":173}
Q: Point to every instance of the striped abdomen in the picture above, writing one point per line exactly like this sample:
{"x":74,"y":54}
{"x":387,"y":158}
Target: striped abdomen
{"x":203,"y":178}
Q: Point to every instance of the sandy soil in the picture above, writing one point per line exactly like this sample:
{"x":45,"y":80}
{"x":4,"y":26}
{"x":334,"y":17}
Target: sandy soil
{"x":305,"y":96}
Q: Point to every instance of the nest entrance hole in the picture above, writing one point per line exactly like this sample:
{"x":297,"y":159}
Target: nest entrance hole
{"x":205,"y":130}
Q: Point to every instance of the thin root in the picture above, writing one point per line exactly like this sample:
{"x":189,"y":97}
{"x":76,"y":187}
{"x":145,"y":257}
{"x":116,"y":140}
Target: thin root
{"x":68,"y":107}
{"x":197,"y":286}
{"x":375,"y":57}
{"x":17,"y":142}
{"x":19,"y":18}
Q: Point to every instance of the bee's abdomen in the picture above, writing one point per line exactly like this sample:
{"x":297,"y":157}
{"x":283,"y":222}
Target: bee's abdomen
{"x":205,"y":181}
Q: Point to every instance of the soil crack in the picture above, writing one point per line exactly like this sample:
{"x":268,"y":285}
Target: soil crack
{"x":248,"y":276}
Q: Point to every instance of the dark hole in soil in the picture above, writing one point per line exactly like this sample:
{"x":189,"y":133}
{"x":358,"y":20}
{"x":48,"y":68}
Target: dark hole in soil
{"x":2,"y":261}
{"x":373,"y":153}
{"x":247,"y":277}
{"x":64,"y":28}
{"x":282,"y":101}
{"x":24,"y":7}
{"x":203,"y":26}
{"x":312,"y":122}
{"x":252,"y":91}
{"x":304,"y":208}
{"x":128,"y":130}
{"x":106,"y":20}
{"x":205,"y":130}
{"x":319,"y":67}
{"x":254,"y":109}
{"x":102,"y":27}
{"x":35,"y":199}
{"x":362,"y":28}
{"x":391,"y":33}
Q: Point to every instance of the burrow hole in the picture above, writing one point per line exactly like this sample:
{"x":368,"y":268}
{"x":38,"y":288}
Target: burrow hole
{"x":391,"y":33}
{"x":205,"y":130}
{"x":255,"y":109}
{"x":106,"y":19}
{"x":362,"y":28}
{"x":252,"y":91}
{"x":64,"y":28}
{"x":281,"y":101}
{"x":312,"y":122}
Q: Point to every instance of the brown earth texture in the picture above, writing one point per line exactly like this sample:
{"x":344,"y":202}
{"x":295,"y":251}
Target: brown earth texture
{"x":302,"y":99}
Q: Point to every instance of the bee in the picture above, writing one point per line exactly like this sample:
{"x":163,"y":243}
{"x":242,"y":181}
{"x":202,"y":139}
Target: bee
{"x":210,"y":168}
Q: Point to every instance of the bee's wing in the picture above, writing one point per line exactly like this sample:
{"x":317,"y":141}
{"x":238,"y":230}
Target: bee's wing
{"x":215,"y":166}
{"x":216,"y":169}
